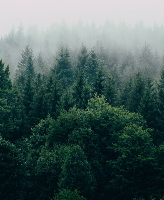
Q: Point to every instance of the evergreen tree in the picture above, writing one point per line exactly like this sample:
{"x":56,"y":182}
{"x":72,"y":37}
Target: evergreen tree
{"x":148,"y":105}
{"x":30,"y":71}
{"x":39,"y":105}
{"x":161,"y":104}
{"x":27,"y":103}
{"x":99,"y":83}
{"x":53,"y":96}
{"x":82,"y":58}
{"x":81,"y":92}
{"x":110,"y":90}
{"x":125,"y":93}
{"x":134,"y":171}
{"x":76,"y":173}
{"x":5,"y":81}
{"x":22,"y":66}
{"x":149,"y":62}
{"x":91,"y":67}
{"x":28,"y":94}
{"x":63,"y":67}
{"x":136,"y":92}
{"x":12,"y":171}
{"x":66,"y":100}
{"x":40,"y":63}
{"x":5,"y":101}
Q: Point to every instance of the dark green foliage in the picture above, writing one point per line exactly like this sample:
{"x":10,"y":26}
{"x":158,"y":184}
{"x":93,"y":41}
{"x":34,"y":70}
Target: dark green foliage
{"x":137,"y":90}
{"x":91,"y":67}
{"x":47,"y":172}
{"x":161,"y":102}
{"x":53,"y":93}
{"x":6,"y":98}
{"x":134,"y":171}
{"x":29,"y":71}
{"x":12,"y":172}
{"x":74,"y":146}
{"x":81,"y":93}
{"x":23,"y":66}
{"x":82,"y":59}
{"x":110,"y":90}
{"x":99,"y":83}
{"x":39,"y":105}
{"x":126,"y":93}
{"x":76,"y":173}
{"x":63,"y":67}
{"x":5,"y":81}
{"x":159,"y":155}
{"x":148,"y":105}
{"x":66,"y":194}
{"x":5,"y":112}
{"x":89,"y":143}
{"x":66,"y":101}
{"x":28,"y":95}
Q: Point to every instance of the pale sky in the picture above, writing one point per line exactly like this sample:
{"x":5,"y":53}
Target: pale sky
{"x":44,"y":12}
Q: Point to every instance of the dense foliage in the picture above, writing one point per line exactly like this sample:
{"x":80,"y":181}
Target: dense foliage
{"x":81,"y":131}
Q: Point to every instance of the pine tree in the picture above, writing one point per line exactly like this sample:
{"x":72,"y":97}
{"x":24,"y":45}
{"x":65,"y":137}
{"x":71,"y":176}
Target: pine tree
{"x":30,"y":71}
{"x":52,"y":96}
{"x":82,"y":58}
{"x":161,"y":104}
{"x":99,"y":83}
{"x":5,"y":101}
{"x":77,"y":174}
{"x":136,"y":92}
{"x":91,"y":67}
{"x":110,"y":90}
{"x":63,"y":67}
{"x":40,"y":64}
{"x":81,"y":92}
{"x":12,"y":171}
{"x":148,"y":105}
{"x":125,"y":93}
{"x":22,"y":67}
{"x":5,"y":81}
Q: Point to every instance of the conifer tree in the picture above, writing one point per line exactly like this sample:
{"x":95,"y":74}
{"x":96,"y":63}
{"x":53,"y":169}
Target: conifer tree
{"x":63,"y":67}
{"x":52,"y":96}
{"x":148,"y":105}
{"x":136,"y":92}
{"x":12,"y":171}
{"x":125,"y":93}
{"x":5,"y":81}
{"x":161,"y":104}
{"x":81,"y":92}
{"x":82,"y":58}
{"x":5,"y":101}
{"x":76,"y":173}
{"x":91,"y":67}
{"x":22,"y":67}
{"x":99,"y":83}
{"x":110,"y":90}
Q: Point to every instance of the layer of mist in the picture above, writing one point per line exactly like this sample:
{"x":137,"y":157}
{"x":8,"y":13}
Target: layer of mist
{"x":120,"y":46}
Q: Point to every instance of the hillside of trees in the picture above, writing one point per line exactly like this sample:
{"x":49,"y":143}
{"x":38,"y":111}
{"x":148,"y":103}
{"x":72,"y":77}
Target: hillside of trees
{"x":81,"y":122}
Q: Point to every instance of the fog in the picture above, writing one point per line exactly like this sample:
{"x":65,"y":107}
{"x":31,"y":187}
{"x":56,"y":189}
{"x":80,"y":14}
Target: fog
{"x":45,"y":12}
{"x":113,"y":26}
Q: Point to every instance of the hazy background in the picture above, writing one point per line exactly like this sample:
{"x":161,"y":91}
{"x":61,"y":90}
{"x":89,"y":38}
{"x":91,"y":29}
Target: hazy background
{"x":45,"y":12}
{"x":118,"y":30}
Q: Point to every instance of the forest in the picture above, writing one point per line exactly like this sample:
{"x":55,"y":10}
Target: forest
{"x":82,"y":113}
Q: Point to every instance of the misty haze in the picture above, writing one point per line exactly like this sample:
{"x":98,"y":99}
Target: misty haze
{"x":81,"y":100}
